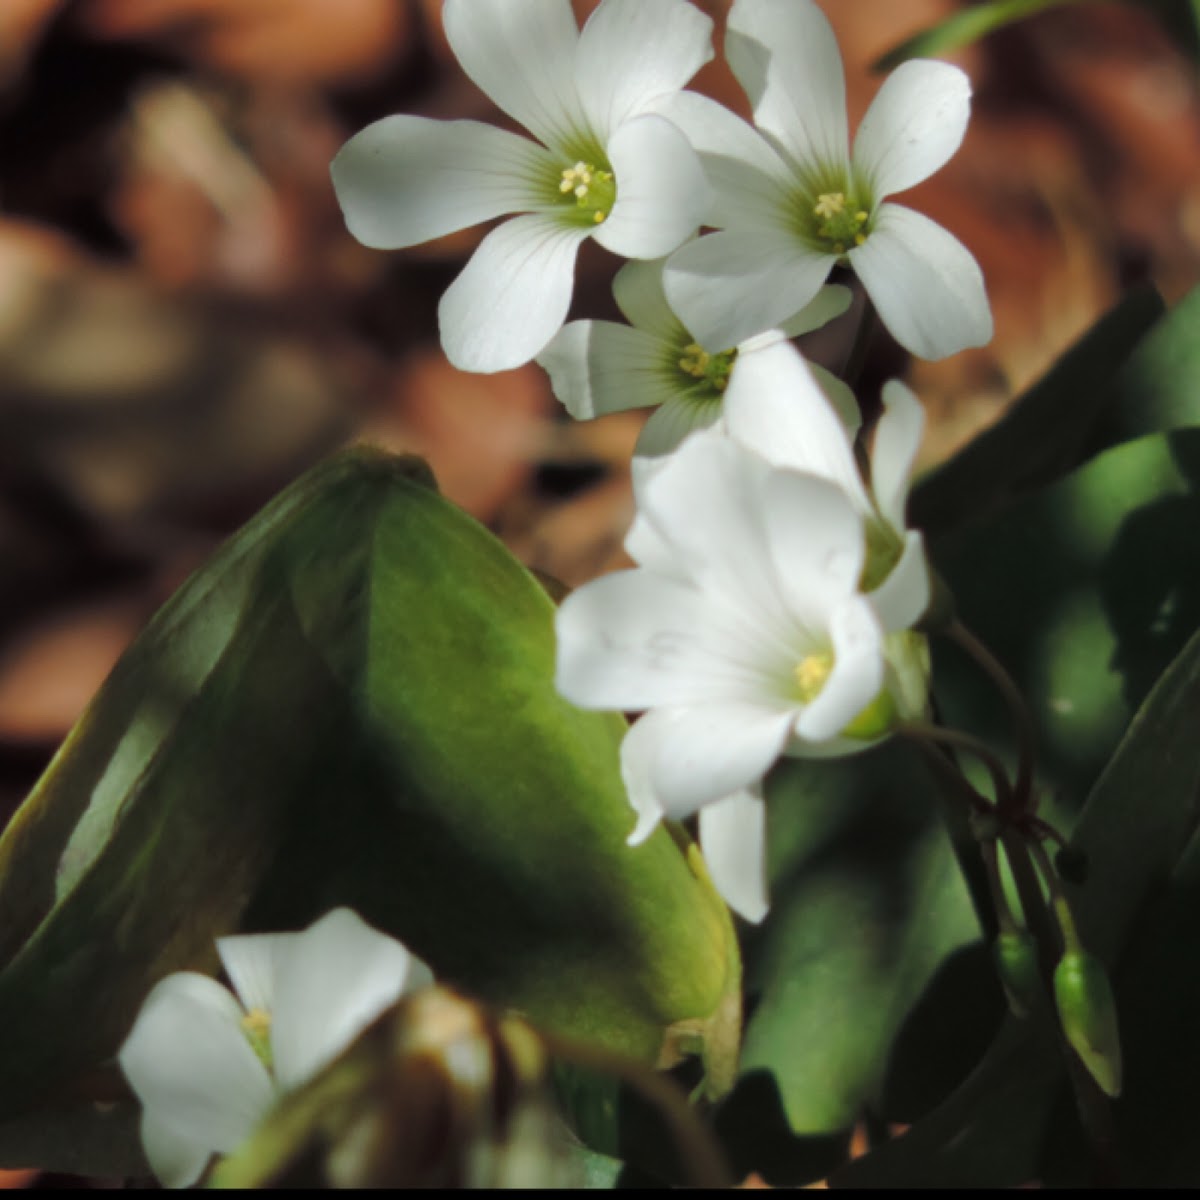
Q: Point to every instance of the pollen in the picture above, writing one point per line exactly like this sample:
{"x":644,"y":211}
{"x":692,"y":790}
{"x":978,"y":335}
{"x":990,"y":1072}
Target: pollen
{"x":256,"y":1026}
{"x":811,"y":674}
{"x":838,"y":222}
{"x":592,"y":189}
{"x":712,"y":369}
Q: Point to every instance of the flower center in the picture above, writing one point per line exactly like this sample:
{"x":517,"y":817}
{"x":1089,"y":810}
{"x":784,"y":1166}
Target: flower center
{"x":811,"y":674}
{"x":591,"y":189}
{"x":256,"y":1027}
{"x":839,"y":222}
{"x":712,"y":369}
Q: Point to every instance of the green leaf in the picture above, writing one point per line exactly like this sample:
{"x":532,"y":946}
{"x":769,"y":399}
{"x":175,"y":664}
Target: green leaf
{"x":867,"y":903}
{"x":353,"y":704}
{"x":1137,"y":913}
{"x":1086,"y":592}
{"x":1041,"y":436}
{"x":963,"y":28}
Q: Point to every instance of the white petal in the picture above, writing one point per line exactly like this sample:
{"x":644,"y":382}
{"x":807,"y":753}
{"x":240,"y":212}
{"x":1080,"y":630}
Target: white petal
{"x":707,"y":503}
{"x":335,"y":979}
{"x":901,"y":599}
{"x":897,"y":440}
{"x":752,"y":187}
{"x":638,"y":290}
{"x":733,"y":836}
{"x":175,"y":1157}
{"x":637,"y":751}
{"x":636,"y":640}
{"x":727,"y":287}
{"x":841,"y":399}
{"x":598,"y":367}
{"x":675,"y":420}
{"x":828,"y":304}
{"x":404,"y":180}
{"x":914,"y":125}
{"x":786,"y":57}
{"x":512,"y":297}
{"x":522,"y":53}
{"x":643,"y":543}
{"x":661,"y":190}
{"x":923,"y":281}
{"x":630,"y":52}
{"x":857,"y":676}
{"x":192,"y":1067}
{"x":775,"y":407}
{"x":817,"y":545}
{"x":251,"y":961}
{"x":707,"y":753}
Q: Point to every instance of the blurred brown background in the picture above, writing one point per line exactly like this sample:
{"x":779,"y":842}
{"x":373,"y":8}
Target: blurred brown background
{"x":185,"y":324}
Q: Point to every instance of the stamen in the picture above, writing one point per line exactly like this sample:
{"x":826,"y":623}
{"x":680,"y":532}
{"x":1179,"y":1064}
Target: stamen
{"x":839,"y":221}
{"x":811,"y":675}
{"x":594,"y":190}
{"x":256,"y":1025}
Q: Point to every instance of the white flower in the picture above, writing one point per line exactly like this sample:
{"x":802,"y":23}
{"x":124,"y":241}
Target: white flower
{"x":776,"y":407}
{"x":208,"y":1067}
{"x":792,"y":200}
{"x":600,"y":367}
{"x":607,"y":168}
{"x":744,"y":634}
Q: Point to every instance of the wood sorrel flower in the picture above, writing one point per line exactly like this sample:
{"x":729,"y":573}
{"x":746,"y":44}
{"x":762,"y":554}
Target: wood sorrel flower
{"x":607,"y":168}
{"x":791,"y":200}
{"x":600,"y":367}
{"x":744,"y":634}
{"x":207,"y":1067}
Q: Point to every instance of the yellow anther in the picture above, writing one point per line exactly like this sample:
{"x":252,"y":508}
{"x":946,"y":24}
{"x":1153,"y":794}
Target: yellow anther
{"x":830,"y":204}
{"x":695,"y":360}
{"x":861,"y":217}
{"x":859,"y":238}
{"x":581,"y":191}
{"x":256,"y":1025}
{"x":598,"y":218}
{"x":811,"y":675}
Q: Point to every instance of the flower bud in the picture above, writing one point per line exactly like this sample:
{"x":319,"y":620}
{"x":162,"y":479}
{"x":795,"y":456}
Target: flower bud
{"x":1016,"y":958}
{"x":1089,"y":1016}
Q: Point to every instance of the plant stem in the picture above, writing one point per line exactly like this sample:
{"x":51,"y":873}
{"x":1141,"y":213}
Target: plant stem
{"x":959,"y":740}
{"x":1021,"y":795}
{"x":699,"y":1155}
{"x":857,"y":358}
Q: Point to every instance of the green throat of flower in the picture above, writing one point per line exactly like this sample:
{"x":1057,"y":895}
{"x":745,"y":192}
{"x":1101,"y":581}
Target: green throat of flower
{"x":839,"y":222}
{"x":589,"y":189}
{"x":256,"y":1028}
{"x":710,"y":370}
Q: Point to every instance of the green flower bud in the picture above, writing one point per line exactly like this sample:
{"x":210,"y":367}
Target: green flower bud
{"x":1016,"y":958}
{"x":1089,"y":1016}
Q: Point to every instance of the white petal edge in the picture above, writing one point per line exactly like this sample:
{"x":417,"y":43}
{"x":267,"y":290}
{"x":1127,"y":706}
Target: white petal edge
{"x":512,"y":297}
{"x":635,"y":640}
{"x":599,"y":367}
{"x":250,"y":961}
{"x":638,"y":290}
{"x":901,"y":599}
{"x":752,"y":187}
{"x":662,"y":194}
{"x":857,"y":676}
{"x":775,"y":407}
{"x":522,"y":55}
{"x":728,"y":286}
{"x":631,"y":52}
{"x":677,"y":419}
{"x":831,"y":302}
{"x":733,"y":838}
{"x":192,"y":1067}
{"x":817,"y":546}
{"x":334,"y":979}
{"x":925,"y":284}
{"x":709,"y":752}
{"x":637,"y":752}
{"x":897,"y":440}
{"x":841,"y":399}
{"x":786,"y":57}
{"x":914,"y":125}
{"x":175,"y":1157}
{"x":405,"y":180}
